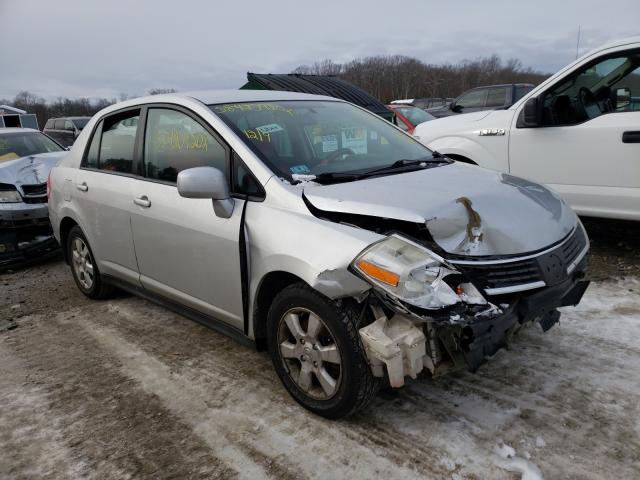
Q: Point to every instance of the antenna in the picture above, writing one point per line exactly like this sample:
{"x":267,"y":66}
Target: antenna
{"x":578,"y":43}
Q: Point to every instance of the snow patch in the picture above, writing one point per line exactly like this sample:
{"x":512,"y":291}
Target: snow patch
{"x":508,"y":460}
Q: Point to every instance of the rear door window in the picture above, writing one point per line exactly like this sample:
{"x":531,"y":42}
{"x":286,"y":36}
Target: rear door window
{"x":118,"y":142}
{"x":174,"y":142}
{"x":59,"y":124}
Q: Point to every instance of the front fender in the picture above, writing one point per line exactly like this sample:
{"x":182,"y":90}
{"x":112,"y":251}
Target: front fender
{"x":490,"y":152}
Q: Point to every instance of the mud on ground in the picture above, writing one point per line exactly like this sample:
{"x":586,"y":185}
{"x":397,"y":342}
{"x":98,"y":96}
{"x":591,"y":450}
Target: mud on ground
{"x":125,"y":389}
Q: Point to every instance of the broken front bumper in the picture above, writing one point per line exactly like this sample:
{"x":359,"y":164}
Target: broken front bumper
{"x":402,"y":346}
{"x":25,"y":232}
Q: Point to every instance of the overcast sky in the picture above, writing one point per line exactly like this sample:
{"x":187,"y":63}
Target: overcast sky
{"x":102,"y":48}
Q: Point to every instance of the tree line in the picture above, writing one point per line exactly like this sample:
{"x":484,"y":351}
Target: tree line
{"x":392,"y":77}
{"x":66,"y":107}
{"x":386,"y":77}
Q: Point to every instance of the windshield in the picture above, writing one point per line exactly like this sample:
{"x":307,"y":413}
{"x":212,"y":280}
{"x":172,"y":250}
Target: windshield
{"x":16,"y":145}
{"x":415,"y":115}
{"x":313,"y":137}
{"x":521,"y":91}
{"x":80,"y":122}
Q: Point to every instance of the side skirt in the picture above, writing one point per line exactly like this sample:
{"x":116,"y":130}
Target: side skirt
{"x":213,"y":323}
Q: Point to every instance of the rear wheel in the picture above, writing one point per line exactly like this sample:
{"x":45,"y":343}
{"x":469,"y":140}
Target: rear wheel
{"x":316,"y":351}
{"x":83,"y":266}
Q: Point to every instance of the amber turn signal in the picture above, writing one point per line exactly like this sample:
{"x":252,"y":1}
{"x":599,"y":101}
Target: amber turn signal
{"x":379,"y":273}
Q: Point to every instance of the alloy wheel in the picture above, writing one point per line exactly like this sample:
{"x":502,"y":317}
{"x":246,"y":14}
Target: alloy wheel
{"x":310,"y":354}
{"x":82,"y":263}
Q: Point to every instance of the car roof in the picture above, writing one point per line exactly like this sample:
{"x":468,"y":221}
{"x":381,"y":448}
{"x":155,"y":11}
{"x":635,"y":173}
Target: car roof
{"x":402,"y":105}
{"x":78,"y":117}
{"x":618,"y":42}
{"x":212,"y":97}
{"x":504,"y":85}
{"x":17,"y":129}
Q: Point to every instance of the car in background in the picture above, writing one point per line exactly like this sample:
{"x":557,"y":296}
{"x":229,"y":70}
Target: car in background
{"x":65,"y":130}
{"x":26,"y":157}
{"x":490,"y":97}
{"x":408,"y":116}
{"x":314,"y":228}
{"x":424,"y":103}
{"x":578,"y":132}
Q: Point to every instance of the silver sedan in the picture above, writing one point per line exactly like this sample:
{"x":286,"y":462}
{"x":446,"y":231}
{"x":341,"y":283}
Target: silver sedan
{"x":315,"y":229}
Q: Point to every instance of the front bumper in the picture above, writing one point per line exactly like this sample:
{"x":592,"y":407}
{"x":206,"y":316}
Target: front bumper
{"x":400,"y":344}
{"x":25,"y":232}
{"x":485,"y":337}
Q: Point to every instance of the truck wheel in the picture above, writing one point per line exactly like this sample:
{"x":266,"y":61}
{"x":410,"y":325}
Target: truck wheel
{"x":316,"y":351}
{"x":83,"y":266}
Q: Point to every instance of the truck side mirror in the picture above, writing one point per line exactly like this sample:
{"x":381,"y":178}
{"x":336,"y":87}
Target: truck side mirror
{"x":531,"y":114}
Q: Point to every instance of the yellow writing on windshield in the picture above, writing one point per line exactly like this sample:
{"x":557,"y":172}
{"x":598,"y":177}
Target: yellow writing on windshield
{"x":257,"y":135}
{"x":175,"y":139}
{"x":252,"y":107}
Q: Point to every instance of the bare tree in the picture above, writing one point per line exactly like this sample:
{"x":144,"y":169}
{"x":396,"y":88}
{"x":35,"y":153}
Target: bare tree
{"x":159,"y":91}
{"x":390,"y":77}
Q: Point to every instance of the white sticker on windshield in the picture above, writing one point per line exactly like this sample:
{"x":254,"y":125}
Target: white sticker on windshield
{"x":269,"y":129}
{"x":355,"y":139}
{"x":329,"y":143}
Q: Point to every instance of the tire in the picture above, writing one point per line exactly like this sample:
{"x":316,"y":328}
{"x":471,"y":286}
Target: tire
{"x":91,"y":284}
{"x":354,"y":385}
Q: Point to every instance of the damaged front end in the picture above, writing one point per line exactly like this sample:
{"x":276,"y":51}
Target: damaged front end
{"x":25,"y":231}
{"x":445,"y":315}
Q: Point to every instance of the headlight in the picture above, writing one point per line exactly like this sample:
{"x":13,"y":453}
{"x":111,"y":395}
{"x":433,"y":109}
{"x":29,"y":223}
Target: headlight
{"x":407,"y":271}
{"x":10,"y":196}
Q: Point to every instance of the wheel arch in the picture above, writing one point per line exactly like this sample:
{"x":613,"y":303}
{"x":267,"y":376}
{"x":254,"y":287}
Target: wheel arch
{"x":271,"y":284}
{"x":66,"y":225}
{"x":472,"y":151}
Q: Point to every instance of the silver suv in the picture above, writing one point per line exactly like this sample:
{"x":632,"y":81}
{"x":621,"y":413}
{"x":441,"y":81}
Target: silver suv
{"x":315,"y":229}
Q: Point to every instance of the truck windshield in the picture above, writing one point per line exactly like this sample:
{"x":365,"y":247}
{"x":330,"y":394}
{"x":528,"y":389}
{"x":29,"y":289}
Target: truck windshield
{"x":80,"y":122}
{"x":521,"y":91}
{"x":314,"y":137}
{"x":16,"y":145}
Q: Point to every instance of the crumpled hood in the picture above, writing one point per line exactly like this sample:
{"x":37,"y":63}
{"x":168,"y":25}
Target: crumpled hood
{"x":468,"y":210}
{"x":30,"y":170}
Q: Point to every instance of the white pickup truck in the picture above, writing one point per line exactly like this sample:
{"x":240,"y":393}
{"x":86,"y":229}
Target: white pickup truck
{"x":578,"y":132}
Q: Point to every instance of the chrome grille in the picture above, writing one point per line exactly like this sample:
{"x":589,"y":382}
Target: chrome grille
{"x":549,"y":267}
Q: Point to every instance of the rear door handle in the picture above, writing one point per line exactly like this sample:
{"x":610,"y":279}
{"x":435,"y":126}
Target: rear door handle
{"x":143,"y":201}
{"x":631,"y":137}
{"x":83,"y":187}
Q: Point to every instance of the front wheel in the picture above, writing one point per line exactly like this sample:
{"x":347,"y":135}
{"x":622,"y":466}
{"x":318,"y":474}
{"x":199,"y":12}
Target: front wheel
{"x":316,"y":351}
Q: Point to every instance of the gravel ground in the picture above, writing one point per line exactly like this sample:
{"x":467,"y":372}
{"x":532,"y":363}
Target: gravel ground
{"x":126,"y":389}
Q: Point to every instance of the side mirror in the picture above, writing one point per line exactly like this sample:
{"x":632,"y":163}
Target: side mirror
{"x":623,"y":98}
{"x":454,"y":107}
{"x":207,"y":182}
{"x":531,"y":115}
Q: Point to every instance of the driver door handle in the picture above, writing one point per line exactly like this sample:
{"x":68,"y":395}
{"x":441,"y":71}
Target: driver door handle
{"x":143,"y":201}
{"x":631,"y":137}
{"x":83,"y":187}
